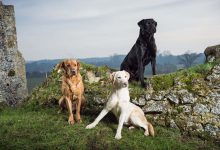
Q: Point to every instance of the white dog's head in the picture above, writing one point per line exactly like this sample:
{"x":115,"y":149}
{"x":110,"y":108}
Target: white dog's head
{"x":120,"y":79}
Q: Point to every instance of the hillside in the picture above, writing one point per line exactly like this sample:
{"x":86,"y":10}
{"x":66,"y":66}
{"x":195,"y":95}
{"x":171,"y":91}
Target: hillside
{"x":184,"y":101}
{"x":112,"y":61}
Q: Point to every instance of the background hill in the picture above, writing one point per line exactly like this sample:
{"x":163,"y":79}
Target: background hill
{"x":37,"y":71}
{"x":113,"y":61}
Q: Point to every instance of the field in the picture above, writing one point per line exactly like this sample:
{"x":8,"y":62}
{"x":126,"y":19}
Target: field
{"x":42,"y":128}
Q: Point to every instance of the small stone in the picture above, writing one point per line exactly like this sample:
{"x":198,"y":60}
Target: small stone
{"x":173,"y":98}
{"x":186,"y":97}
{"x":140,"y":101}
{"x":200,"y":109}
{"x":216,"y":108}
{"x":173,"y":124}
{"x":155,"y":107}
{"x":99,"y":100}
{"x":211,"y":129}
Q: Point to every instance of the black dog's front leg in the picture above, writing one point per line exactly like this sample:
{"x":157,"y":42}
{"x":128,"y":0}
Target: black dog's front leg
{"x":141,"y":71}
{"x":153,"y":65}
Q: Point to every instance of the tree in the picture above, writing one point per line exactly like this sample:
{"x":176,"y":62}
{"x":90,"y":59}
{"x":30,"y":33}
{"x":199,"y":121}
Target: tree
{"x":188,"y":59}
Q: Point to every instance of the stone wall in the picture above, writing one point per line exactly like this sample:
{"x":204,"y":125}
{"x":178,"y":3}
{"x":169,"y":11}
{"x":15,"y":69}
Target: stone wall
{"x":13,"y":88}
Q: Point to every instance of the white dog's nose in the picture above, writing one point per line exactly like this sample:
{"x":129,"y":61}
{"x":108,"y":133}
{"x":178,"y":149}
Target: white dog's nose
{"x":125,"y":84}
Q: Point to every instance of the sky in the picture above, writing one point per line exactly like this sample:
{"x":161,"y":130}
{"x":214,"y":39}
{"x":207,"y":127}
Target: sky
{"x":51,"y":29}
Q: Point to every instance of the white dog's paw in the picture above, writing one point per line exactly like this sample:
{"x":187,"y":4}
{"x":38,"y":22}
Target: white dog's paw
{"x":90,"y":126}
{"x":146,"y":133}
{"x":117,"y":136}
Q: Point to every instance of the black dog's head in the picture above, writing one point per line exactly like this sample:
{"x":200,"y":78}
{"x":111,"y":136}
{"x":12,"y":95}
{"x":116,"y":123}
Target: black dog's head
{"x":147,"y":26}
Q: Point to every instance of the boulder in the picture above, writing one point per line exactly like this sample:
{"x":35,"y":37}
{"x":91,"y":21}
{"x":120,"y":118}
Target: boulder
{"x":212,"y":53}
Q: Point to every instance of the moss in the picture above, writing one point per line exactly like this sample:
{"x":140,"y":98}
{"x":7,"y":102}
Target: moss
{"x":11,"y":73}
{"x":162,"y":82}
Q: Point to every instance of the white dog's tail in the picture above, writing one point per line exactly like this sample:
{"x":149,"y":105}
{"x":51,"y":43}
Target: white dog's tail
{"x":150,"y":129}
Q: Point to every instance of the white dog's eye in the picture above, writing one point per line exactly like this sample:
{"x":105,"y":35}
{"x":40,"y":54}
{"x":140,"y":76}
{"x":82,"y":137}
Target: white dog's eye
{"x":119,"y":77}
{"x":125,"y":76}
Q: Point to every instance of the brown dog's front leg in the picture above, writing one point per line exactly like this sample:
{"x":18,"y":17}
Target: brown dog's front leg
{"x":78,"y":117}
{"x":69,"y":107}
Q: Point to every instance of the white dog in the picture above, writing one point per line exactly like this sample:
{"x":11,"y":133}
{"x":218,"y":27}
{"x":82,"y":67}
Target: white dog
{"x":119,"y":103}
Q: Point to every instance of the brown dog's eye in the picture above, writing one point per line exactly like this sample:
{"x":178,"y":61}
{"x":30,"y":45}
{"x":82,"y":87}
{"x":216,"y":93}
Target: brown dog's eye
{"x":68,"y":65}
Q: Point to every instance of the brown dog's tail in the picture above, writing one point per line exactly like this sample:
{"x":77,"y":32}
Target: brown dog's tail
{"x":150,"y":129}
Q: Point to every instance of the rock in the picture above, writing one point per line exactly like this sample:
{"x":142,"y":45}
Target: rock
{"x":216,"y":108}
{"x":200,"y":109}
{"x":214,"y":77}
{"x":212,"y":130}
{"x":140,"y":101}
{"x":186,"y":97}
{"x":155,"y":107}
{"x":212,"y":53}
{"x":13,"y":83}
{"x":91,"y":77}
{"x":158,"y":96}
{"x":173,"y":124}
{"x":172,"y":98}
{"x":185,"y":109}
{"x":99,"y":101}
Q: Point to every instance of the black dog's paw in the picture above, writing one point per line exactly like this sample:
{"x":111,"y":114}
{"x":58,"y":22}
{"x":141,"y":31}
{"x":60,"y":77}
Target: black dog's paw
{"x":144,"y":85}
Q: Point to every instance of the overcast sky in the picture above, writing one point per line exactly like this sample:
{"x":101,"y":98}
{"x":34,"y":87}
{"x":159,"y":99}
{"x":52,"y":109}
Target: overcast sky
{"x":49,"y":29}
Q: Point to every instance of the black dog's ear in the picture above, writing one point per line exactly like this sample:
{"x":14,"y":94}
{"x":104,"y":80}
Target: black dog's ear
{"x":140,"y":23}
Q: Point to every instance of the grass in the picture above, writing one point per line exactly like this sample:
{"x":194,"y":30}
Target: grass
{"x":43,"y":128}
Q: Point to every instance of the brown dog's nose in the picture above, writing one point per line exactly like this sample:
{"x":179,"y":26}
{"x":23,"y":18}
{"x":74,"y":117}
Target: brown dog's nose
{"x":73,"y":72}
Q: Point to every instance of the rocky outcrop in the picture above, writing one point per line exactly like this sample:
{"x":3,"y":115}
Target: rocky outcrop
{"x":191,"y":104}
{"x":188,"y":100}
{"x":12,"y":65}
{"x":212,"y":53}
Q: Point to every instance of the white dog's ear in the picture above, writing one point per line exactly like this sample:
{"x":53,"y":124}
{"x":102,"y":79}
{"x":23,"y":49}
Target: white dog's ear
{"x":112,"y":77}
{"x":128,"y":74}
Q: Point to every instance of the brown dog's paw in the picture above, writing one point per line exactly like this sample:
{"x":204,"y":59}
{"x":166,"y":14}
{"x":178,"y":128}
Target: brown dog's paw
{"x":71,"y":120}
{"x":79,"y":121}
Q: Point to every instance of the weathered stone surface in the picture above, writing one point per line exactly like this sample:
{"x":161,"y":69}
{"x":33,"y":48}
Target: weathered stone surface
{"x":212,"y":53}
{"x":172,"y":97}
{"x":13,"y":88}
{"x":155,"y":107}
{"x":186,"y":97}
{"x":211,"y":129}
{"x":185,"y":109}
{"x":216,"y":108}
{"x":200,"y":109}
{"x":139,"y":101}
{"x":91,"y":77}
{"x":173,"y":124}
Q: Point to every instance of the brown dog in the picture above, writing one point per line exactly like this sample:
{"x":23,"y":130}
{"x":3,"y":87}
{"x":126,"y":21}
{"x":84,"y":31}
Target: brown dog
{"x":72,"y":88}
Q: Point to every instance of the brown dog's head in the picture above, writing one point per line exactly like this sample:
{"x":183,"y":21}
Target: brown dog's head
{"x":70,"y":67}
{"x":147,"y":26}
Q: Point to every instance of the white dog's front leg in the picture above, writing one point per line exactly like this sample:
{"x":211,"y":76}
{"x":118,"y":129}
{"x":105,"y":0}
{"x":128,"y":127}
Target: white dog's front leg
{"x":120,"y":125}
{"x":100,"y":116}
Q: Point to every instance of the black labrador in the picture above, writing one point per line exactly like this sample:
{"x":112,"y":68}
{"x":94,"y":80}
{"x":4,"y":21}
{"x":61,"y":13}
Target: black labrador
{"x":142,"y":53}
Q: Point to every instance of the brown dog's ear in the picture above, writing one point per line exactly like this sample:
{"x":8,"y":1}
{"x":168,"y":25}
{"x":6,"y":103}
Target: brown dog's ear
{"x":112,"y":77}
{"x":128,"y":74}
{"x":140,"y":23}
{"x":78,"y":66}
{"x":59,"y":67}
